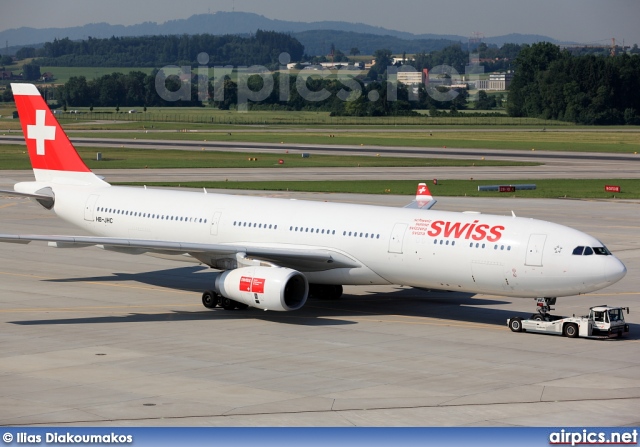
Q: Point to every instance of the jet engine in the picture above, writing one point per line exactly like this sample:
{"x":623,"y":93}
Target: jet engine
{"x":268,"y":288}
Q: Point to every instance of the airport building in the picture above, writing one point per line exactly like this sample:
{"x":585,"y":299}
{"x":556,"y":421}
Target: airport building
{"x":410,"y":77}
{"x":496,"y":81}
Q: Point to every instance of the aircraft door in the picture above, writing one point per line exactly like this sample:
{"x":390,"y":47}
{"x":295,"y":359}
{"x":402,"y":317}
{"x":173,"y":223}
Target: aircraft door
{"x":535,"y":249}
{"x":89,"y":207}
{"x":397,"y":238}
{"x":214,"y":223}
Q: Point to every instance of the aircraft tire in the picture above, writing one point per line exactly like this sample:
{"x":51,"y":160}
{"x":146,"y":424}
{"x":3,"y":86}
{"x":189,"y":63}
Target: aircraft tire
{"x":333,"y":292}
{"x":210,"y":299}
{"x":227,"y":303}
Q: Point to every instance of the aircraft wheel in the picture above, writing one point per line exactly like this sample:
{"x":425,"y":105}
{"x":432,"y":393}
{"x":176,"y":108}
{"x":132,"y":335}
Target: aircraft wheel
{"x":515,"y":324}
{"x":227,"y":303}
{"x":570,"y":330}
{"x":210,"y":299}
{"x":334,"y":292}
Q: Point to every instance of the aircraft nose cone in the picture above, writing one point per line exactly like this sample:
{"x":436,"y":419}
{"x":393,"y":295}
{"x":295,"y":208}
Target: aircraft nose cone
{"x":616,"y":270}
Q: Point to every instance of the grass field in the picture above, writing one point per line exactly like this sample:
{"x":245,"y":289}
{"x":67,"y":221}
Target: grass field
{"x":548,"y":188}
{"x":62,"y":74}
{"x":185,"y":117}
{"x":601,"y":141}
{"x":15,"y":157}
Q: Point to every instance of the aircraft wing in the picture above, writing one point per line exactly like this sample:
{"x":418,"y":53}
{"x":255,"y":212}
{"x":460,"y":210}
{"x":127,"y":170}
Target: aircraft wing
{"x":295,"y":258}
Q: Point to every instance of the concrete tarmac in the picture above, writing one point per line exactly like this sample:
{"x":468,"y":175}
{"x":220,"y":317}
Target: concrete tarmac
{"x":89,"y":337}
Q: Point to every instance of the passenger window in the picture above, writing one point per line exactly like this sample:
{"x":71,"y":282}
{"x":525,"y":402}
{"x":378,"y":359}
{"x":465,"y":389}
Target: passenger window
{"x":578,"y":251}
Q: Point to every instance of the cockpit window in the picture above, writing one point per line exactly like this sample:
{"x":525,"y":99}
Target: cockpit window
{"x":587,"y":251}
{"x":601,"y":251}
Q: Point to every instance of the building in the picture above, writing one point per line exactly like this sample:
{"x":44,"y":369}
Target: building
{"x":399,"y":60}
{"x":496,"y":81}
{"x":410,"y":77}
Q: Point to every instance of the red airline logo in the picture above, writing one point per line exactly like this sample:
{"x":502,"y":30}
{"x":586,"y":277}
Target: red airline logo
{"x":41,"y":132}
{"x":249,"y":284}
{"x":468,"y":231}
{"x":47,"y":144}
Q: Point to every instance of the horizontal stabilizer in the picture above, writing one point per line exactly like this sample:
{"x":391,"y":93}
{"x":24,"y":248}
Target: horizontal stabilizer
{"x":45,"y":198}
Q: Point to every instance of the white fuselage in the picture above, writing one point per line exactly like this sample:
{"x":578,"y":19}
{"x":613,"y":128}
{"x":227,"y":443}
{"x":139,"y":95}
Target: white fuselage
{"x":465,"y":252}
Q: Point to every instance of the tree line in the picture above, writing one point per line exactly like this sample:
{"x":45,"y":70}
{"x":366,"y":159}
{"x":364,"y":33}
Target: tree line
{"x":262,"y":48}
{"x":553,"y":84}
{"x":340,"y":97}
{"x":135,"y":89}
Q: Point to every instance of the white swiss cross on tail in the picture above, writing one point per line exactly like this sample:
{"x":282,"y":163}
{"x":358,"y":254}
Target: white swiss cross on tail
{"x":53,"y":157}
{"x":41,"y":132}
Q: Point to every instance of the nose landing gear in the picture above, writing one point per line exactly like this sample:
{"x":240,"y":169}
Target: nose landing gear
{"x":543,"y":308}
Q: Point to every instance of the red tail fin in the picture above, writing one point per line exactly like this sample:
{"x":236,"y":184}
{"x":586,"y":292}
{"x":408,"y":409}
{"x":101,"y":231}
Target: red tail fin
{"x":422,"y":193}
{"x":424,"y":199}
{"x":52,"y":154}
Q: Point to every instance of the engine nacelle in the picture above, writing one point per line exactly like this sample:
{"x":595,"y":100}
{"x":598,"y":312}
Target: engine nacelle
{"x":268,"y":288}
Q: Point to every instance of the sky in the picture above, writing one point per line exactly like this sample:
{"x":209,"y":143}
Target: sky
{"x":583,"y":21}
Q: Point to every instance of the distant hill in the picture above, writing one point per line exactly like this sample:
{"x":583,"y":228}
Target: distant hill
{"x":318,"y":42}
{"x":241,"y":23}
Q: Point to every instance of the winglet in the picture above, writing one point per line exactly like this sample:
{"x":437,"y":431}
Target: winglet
{"x":424,"y":199}
{"x":53,"y":157}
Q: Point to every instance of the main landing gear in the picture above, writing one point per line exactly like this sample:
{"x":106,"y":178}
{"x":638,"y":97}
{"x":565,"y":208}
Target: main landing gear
{"x":543,"y":308}
{"x":211,"y":300}
{"x":325,"y":291}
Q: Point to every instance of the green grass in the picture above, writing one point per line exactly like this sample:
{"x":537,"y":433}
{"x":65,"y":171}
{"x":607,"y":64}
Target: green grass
{"x":547,"y":188}
{"x":600,"y":141}
{"x":62,"y":74}
{"x":15,"y":157}
{"x":213,"y":116}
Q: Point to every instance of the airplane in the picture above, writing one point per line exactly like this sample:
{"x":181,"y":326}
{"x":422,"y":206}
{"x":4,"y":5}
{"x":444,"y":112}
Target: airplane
{"x":273,"y":253}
